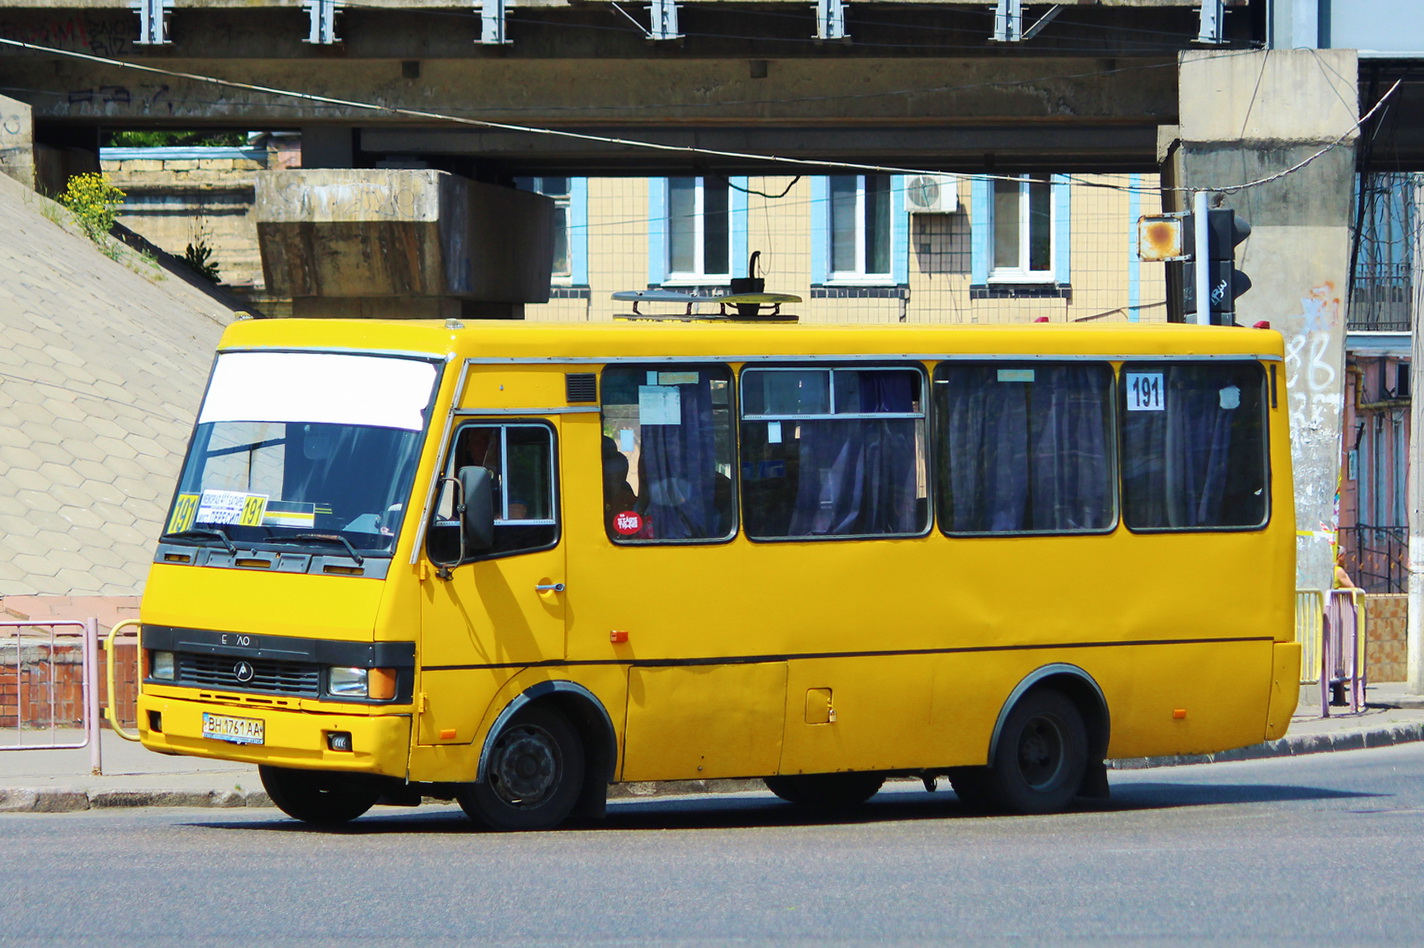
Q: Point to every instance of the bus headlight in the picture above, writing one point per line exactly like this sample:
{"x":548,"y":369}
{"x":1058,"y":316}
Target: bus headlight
{"x":160,"y":665}
{"x":378,"y":684}
{"x":351,"y":682}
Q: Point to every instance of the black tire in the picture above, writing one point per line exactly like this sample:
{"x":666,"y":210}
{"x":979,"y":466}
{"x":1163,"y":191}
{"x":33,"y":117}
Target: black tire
{"x":533,"y":776}
{"x":826,"y":791}
{"x":1041,"y":757}
{"x":315,"y":797}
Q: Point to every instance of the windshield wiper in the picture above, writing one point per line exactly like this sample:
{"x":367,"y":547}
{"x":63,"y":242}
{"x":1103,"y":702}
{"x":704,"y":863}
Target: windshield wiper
{"x":216,"y":533}
{"x":332,"y":538}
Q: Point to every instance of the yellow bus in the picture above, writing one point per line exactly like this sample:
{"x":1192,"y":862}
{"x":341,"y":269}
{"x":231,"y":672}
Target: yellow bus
{"x":511,"y":563}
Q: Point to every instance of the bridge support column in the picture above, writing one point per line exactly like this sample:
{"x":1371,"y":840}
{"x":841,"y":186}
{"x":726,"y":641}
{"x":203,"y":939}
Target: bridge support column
{"x":1283,"y":121}
{"x":402,"y":243}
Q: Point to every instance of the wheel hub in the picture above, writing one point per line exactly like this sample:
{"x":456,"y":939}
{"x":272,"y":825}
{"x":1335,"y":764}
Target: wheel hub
{"x":527,"y":766}
{"x":1040,"y":753}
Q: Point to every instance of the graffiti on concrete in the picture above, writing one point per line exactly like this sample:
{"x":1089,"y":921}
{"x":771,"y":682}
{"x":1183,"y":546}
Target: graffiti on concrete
{"x":1312,"y":377}
{"x":102,"y":36}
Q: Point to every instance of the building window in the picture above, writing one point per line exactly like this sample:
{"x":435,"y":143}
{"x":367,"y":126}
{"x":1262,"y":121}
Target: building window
{"x":699,"y":229}
{"x":1023,"y":230}
{"x":1019,"y":243}
{"x":568,"y":195}
{"x":860,"y":227}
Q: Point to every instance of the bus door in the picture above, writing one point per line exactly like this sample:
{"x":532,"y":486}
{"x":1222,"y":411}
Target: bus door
{"x":500,"y":609}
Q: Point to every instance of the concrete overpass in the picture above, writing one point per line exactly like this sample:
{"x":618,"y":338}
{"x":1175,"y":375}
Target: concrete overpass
{"x":922,"y":85}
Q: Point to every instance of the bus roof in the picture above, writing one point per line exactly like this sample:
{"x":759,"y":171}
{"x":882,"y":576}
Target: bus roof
{"x":733,"y":341}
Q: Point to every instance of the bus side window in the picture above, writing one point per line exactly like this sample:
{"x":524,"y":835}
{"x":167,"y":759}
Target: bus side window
{"x":667,"y":453}
{"x":520,"y":459}
{"x":1024,"y":447}
{"x":833,"y":452}
{"x":1194,"y":445}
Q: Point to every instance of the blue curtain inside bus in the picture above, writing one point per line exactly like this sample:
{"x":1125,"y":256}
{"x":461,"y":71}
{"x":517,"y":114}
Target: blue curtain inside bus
{"x":1025,"y":447}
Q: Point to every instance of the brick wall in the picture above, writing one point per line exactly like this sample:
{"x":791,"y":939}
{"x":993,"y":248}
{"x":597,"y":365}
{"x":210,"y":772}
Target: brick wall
{"x":42,"y":684}
{"x":1386,"y":628}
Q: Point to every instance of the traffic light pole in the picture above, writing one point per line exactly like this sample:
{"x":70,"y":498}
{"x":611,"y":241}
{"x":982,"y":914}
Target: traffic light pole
{"x":1201,"y":228}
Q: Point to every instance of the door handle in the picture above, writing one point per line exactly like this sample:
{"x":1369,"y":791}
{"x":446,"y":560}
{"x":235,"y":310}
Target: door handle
{"x":551,"y":587}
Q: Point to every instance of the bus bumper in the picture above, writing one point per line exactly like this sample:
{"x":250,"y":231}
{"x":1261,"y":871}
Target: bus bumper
{"x":380,"y":744}
{"x":1285,"y":689}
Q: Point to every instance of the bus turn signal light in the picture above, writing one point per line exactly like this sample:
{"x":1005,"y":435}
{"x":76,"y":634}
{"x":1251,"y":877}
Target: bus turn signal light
{"x":617,"y":636}
{"x":1180,"y":714}
{"x":381,"y":683}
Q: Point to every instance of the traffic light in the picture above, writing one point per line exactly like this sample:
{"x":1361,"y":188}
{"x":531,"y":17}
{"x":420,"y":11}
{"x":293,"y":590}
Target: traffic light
{"x":1224,"y":230}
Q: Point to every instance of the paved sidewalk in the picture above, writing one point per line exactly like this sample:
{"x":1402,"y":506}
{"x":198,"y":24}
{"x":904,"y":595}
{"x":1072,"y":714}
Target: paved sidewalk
{"x":50,"y":781}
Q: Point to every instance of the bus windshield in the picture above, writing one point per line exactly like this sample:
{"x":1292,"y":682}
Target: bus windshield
{"x":305,"y":448}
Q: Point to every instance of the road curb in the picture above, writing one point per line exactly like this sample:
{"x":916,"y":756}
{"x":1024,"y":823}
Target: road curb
{"x":65,"y":800}
{"x":1286,"y":747}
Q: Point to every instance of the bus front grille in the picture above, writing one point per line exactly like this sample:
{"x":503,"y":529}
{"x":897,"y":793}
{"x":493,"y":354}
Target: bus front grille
{"x":267,"y":675}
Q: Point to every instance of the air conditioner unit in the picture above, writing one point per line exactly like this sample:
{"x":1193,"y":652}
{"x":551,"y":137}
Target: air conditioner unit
{"x":931,"y":194}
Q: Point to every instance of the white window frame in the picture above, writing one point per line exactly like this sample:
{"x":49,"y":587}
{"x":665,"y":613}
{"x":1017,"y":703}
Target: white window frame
{"x":564,"y":201}
{"x":1022,"y":274}
{"x":698,"y":223}
{"x":860,"y":275}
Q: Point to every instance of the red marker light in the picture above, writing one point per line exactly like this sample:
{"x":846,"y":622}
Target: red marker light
{"x":617,"y":636}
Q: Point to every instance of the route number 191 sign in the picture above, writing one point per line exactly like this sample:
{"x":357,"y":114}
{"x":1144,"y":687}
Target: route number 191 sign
{"x":1144,"y":391}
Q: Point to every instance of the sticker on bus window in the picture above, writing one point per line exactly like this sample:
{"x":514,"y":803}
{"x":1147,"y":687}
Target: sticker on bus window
{"x":1016,"y":375}
{"x":627,"y":523}
{"x":677,"y":378}
{"x":285,"y":513}
{"x":183,"y":513}
{"x":773,"y":432}
{"x":1144,"y":391}
{"x":659,"y":405}
{"x":226,"y":507}
{"x":625,"y":440}
{"x":1230,"y":398}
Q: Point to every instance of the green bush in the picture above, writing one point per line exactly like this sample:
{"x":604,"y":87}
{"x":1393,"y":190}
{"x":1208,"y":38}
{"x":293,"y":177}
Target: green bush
{"x":199,"y":256}
{"x":94,"y":201}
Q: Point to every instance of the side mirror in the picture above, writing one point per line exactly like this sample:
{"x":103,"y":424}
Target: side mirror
{"x":477,"y":515}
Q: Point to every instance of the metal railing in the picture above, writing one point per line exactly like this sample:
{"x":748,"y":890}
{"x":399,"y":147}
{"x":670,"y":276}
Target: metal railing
{"x":32,"y":653}
{"x":1377,"y":558}
{"x":1382,"y":297}
{"x":37,"y":660}
{"x":1330,"y":627}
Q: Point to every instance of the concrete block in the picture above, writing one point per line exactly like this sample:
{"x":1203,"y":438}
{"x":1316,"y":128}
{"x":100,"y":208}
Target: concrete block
{"x":1280,"y":95}
{"x":401,"y":234}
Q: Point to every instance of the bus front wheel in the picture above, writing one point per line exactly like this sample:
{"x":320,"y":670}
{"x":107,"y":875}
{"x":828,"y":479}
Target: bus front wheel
{"x":825,"y":791}
{"x":314,"y":797}
{"x":532,"y":777}
{"x":1041,"y":757}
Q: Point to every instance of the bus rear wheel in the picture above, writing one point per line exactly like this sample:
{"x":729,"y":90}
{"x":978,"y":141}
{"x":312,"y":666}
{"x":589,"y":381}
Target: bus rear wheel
{"x":315,"y":797}
{"x":825,"y":791}
{"x":533,"y":776}
{"x":1041,"y":757}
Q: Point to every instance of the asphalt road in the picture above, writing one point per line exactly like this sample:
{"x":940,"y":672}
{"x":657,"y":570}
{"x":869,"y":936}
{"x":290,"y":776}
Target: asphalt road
{"x":1323,"y":850}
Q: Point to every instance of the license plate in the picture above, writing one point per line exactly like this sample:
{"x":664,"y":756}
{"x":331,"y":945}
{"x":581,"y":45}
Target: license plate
{"x":220,"y":727}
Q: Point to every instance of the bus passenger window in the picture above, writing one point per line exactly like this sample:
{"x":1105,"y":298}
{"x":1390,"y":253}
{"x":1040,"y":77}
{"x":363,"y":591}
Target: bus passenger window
{"x":667,"y":453}
{"x":1024,"y":447}
{"x":1193,"y":445}
{"x":520,"y":459}
{"x":833,"y":452}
